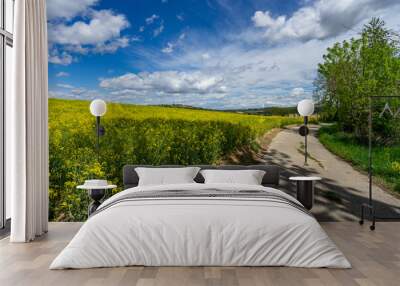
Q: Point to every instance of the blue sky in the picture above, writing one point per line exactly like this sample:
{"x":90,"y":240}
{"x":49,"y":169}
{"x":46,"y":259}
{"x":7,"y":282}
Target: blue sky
{"x":213,"y":53}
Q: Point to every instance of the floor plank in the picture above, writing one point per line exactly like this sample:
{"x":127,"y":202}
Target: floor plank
{"x":375,"y":257}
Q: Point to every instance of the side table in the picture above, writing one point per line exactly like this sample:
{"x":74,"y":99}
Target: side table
{"x":96,"y":193}
{"x":305,"y":190}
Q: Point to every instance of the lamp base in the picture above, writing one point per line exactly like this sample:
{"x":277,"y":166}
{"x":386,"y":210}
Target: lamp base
{"x":371,"y":215}
{"x":96,"y":195}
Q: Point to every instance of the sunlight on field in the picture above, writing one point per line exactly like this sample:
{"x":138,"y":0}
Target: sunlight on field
{"x":61,"y":110}
{"x":137,"y":135}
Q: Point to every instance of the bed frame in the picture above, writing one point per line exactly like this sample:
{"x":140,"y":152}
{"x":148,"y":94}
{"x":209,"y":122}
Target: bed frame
{"x":271,"y":178}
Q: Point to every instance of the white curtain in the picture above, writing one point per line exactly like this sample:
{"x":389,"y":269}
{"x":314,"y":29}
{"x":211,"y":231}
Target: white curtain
{"x":26,"y":123}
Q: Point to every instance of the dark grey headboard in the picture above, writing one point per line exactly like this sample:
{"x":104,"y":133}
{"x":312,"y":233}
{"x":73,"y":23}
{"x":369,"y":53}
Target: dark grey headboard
{"x":271,"y":177}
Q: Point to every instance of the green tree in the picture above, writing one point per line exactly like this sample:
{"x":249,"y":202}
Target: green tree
{"x":354,"y":70}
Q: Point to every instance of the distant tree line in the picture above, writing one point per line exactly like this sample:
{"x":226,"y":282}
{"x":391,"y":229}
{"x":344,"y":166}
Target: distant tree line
{"x":268,"y":111}
{"x":356,"y":69}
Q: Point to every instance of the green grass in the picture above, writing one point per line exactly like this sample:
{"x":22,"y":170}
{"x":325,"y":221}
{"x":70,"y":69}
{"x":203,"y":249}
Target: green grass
{"x":386,"y":160}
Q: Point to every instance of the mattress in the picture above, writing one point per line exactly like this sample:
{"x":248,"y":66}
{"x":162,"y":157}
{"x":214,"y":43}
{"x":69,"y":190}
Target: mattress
{"x":201,"y":225}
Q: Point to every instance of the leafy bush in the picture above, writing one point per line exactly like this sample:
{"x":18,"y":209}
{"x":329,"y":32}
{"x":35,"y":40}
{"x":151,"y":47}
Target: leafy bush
{"x":137,"y":135}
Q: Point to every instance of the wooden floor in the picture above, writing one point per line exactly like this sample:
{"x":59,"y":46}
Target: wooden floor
{"x":375,"y":257}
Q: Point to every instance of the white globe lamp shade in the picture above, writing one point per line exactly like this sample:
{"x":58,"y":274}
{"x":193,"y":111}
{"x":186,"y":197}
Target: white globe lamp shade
{"x":305,"y":107}
{"x":98,"y":107}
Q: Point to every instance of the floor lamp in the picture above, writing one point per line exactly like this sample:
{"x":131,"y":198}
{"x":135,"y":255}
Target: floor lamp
{"x":306,"y":109}
{"x":370,"y":205}
{"x":98,"y":108}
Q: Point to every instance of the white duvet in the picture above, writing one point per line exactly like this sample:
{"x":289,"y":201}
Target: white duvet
{"x":203,"y":232}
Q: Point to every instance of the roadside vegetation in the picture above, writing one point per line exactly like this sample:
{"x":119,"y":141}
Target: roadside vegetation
{"x":138,"y":135}
{"x":386,"y":159}
{"x":351,"y":72}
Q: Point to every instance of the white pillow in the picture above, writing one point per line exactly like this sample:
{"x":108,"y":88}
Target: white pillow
{"x":166,"y":176}
{"x":248,"y":177}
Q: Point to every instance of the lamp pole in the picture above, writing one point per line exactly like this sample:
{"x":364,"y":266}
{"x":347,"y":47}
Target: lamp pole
{"x":98,"y":137}
{"x":305,"y":109}
{"x":305,"y":140}
{"x":98,"y":108}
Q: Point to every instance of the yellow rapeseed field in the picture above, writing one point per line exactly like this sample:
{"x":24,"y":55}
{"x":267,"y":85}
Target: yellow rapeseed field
{"x":137,"y":135}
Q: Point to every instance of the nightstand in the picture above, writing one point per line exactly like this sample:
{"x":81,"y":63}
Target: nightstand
{"x":96,"y":190}
{"x":305,"y":190}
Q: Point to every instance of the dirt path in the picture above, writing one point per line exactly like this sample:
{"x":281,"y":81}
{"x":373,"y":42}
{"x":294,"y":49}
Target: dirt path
{"x":342,"y":190}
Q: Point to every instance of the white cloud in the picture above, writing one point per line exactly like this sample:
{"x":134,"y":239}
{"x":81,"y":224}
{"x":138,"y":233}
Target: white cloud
{"x":166,"y":82}
{"x":112,"y":46}
{"x":182,"y":37}
{"x":79,"y":91}
{"x":98,"y":32}
{"x":150,"y":20}
{"x":159,"y":30}
{"x":320,"y":20}
{"x":77,"y":49}
{"x":264,"y":19}
{"x":104,"y":25}
{"x":67,"y":9}
{"x":251,"y":77}
{"x":205,"y":56}
{"x":60,"y":59}
{"x":254,"y":74}
{"x":62,"y":74}
{"x":259,"y":66}
{"x":65,"y":86}
{"x":141,"y":29}
{"x":299,"y":92}
{"x":74,"y":91}
{"x":169,"y":48}
{"x":180,"y":17}
{"x":70,"y":91}
{"x":242,"y":69}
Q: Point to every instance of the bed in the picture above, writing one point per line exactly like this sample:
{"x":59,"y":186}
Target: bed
{"x":198,"y":224}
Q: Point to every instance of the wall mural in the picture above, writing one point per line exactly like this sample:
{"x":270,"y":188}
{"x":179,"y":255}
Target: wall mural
{"x":197,"y":82}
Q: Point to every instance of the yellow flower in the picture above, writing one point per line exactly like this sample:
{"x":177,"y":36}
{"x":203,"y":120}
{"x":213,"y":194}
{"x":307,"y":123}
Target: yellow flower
{"x":396,"y":166}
